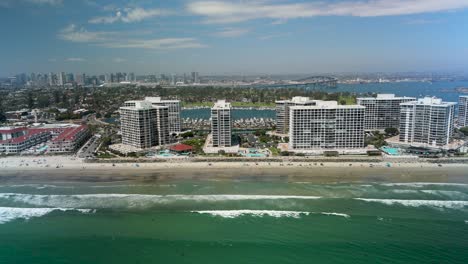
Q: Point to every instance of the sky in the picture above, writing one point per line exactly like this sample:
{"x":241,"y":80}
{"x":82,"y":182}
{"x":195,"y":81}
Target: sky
{"x":233,"y":37}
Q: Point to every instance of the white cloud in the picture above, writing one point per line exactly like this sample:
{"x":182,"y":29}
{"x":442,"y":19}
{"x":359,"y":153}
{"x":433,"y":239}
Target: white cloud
{"x":75,"y":59}
{"x":122,"y":40}
{"x":162,"y":44}
{"x":129,"y":15}
{"x":46,"y":2}
{"x":232,"y":32}
{"x":74,"y":34}
{"x":239,"y":11}
{"x":119,"y":60}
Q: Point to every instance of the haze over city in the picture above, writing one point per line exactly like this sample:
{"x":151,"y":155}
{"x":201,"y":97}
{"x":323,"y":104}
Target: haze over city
{"x":233,"y":37}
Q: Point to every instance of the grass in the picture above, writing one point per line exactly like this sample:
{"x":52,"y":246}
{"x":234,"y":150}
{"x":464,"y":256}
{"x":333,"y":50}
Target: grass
{"x":274,"y":151}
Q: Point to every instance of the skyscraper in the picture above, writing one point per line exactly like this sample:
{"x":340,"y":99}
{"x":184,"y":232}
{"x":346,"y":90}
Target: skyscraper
{"x":463,"y":111}
{"x":282,"y":111}
{"x":144,"y":125}
{"x":221,"y":126}
{"x":61,"y":79}
{"x":195,"y":77}
{"x":382,"y":111}
{"x":427,"y":121}
{"x":326,"y":125}
{"x":174,"y":112}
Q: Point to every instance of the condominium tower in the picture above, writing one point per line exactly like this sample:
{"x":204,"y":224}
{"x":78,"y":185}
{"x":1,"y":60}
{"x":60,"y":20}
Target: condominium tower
{"x":282,"y":111}
{"x":221,"y":126}
{"x":463,"y":111}
{"x":326,"y":125}
{"x":174,"y":112}
{"x":382,"y":111}
{"x":144,"y":125}
{"x":427,"y":121}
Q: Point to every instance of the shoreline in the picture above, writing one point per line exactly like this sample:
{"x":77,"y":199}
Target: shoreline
{"x":67,"y":168}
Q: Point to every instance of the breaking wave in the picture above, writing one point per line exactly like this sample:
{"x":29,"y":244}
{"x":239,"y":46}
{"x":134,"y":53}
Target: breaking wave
{"x":418,"y":203}
{"x":261,"y":213}
{"x":131,"y":200}
{"x":8,"y":214}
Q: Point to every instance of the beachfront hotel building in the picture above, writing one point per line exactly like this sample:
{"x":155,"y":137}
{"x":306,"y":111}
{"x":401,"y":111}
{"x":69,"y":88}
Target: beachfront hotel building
{"x":463,"y":111}
{"x":70,"y":139}
{"x":221,"y":124}
{"x":14,"y":140}
{"x":144,"y":125}
{"x":175,"y":126}
{"x":428,"y":121}
{"x":282,"y":111}
{"x":382,"y":111}
{"x":326,"y":125}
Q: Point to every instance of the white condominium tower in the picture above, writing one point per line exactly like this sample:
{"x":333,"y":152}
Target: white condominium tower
{"x":174,"y":112}
{"x":144,"y":125}
{"x":427,"y":121}
{"x":221,"y":126}
{"x":463,"y":111}
{"x":326,"y":125}
{"x":282,"y":111}
{"x":382,"y":111}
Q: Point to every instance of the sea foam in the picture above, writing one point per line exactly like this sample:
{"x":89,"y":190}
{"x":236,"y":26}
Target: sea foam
{"x":418,"y":203}
{"x":261,"y":213}
{"x":11,"y":213}
{"x":131,"y":200}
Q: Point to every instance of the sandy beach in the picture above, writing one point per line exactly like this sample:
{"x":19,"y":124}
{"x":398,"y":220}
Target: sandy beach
{"x":69,"y":168}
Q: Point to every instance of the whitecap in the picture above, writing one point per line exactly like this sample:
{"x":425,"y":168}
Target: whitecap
{"x":418,"y":203}
{"x":261,"y":213}
{"x":11,"y":213}
{"x":422,"y":184}
{"x":131,"y":200}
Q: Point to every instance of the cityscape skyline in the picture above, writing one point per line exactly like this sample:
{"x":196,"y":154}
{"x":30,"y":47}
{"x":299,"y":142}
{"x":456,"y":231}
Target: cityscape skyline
{"x":227,"y":37}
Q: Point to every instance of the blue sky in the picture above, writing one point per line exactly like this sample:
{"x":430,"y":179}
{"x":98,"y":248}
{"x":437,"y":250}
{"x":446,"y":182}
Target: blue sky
{"x":233,"y":37}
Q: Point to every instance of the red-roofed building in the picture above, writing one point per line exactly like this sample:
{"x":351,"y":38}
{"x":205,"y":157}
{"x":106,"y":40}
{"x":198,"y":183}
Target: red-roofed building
{"x":181,"y":148}
{"x":16,"y":139}
{"x":70,"y":140}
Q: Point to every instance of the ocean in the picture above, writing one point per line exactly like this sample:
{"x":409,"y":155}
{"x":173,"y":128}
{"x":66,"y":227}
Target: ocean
{"x":241,"y":220}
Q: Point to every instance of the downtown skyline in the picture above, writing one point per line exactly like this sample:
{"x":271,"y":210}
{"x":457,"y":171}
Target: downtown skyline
{"x":233,"y":37}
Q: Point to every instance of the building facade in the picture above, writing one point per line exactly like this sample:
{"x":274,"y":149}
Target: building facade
{"x":175,"y":125}
{"x":326,"y":125}
{"x":221,"y":124}
{"x":70,"y":140}
{"x":15,"y":140}
{"x":463,"y":111}
{"x":282,"y":111}
{"x":144,"y":125}
{"x":427,"y":121}
{"x":382,"y":111}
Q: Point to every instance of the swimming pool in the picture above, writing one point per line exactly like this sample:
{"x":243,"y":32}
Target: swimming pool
{"x":390,"y":151}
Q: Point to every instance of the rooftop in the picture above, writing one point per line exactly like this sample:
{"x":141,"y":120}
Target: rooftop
{"x":386,"y":97}
{"x":222,"y":104}
{"x":327,"y":105}
{"x":432,"y":101}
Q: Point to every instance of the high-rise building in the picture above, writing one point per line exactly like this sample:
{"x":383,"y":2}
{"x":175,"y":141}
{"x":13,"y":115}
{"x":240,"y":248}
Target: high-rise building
{"x":282,"y":111}
{"x":195,"y":77}
{"x":427,"y":121}
{"x":174,"y":112}
{"x":463,"y":111}
{"x":221,"y":126}
{"x":382,"y":111}
{"x":51,"y":79}
{"x":144,"y":125}
{"x":326,"y":125}
{"x":61,"y":78}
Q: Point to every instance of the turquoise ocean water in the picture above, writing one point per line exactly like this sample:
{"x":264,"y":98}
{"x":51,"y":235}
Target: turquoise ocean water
{"x":234,"y":221}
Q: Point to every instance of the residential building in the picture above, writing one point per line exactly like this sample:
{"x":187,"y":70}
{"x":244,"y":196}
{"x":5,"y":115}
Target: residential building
{"x":282,"y":111}
{"x":144,"y":125}
{"x":13,"y":140}
{"x":427,"y":121}
{"x":221,"y":124}
{"x":174,"y":112}
{"x":70,"y":139}
{"x":326,"y":125}
{"x":463,"y":111}
{"x":382,"y":111}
